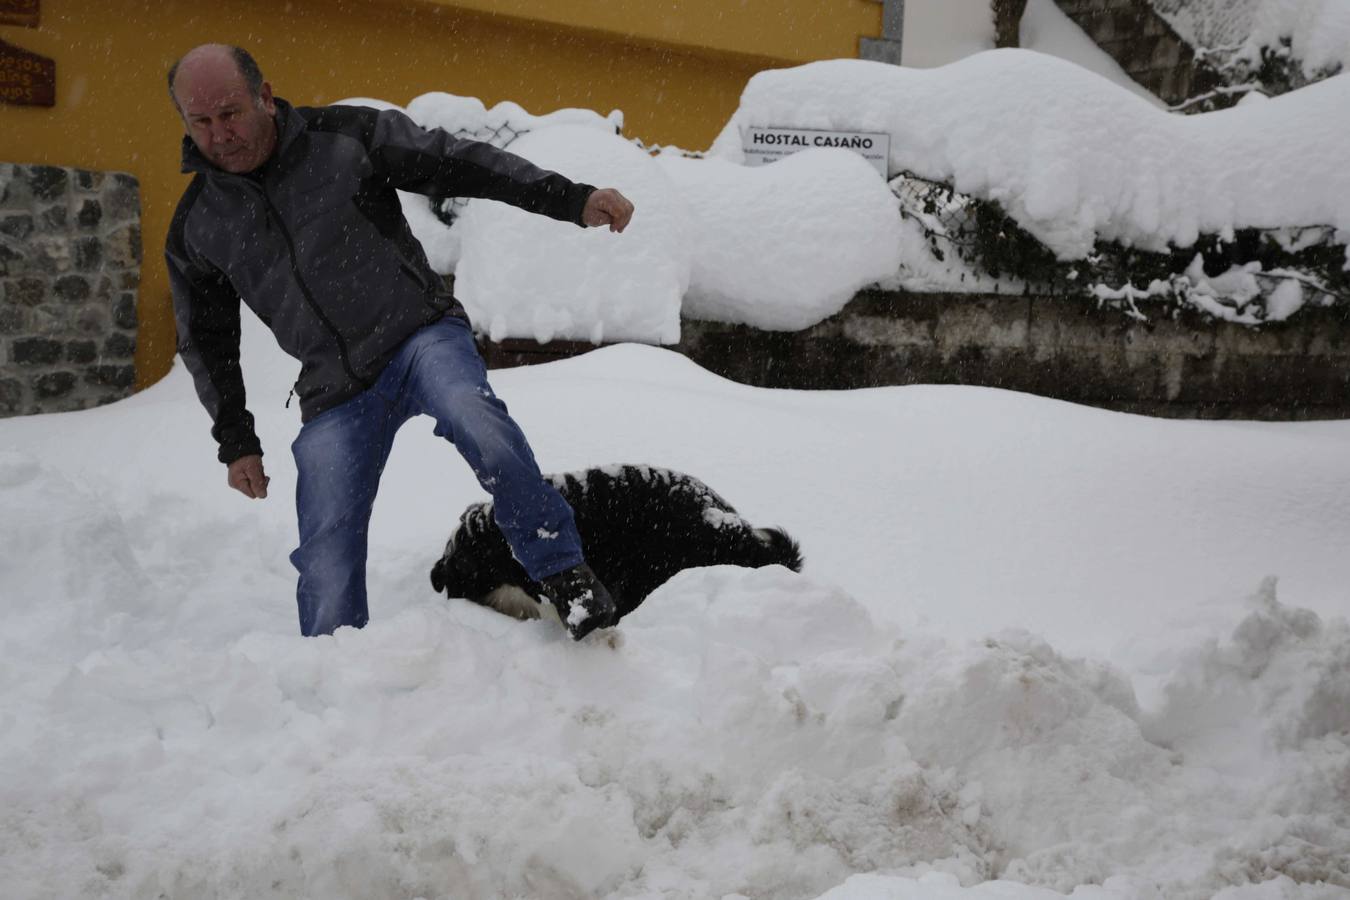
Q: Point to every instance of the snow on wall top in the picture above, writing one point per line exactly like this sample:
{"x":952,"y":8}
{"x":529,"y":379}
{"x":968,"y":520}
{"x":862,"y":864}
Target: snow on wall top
{"x":1318,"y":30}
{"x":1071,"y":156}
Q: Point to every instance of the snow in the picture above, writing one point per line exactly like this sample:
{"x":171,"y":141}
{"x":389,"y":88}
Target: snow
{"x":784,"y":246}
{"x":1046,"y":29}
{"x":1209,"y":23}
{"x":1033,"y":652}
{"x":1037,"y":650}
{"x":1073,"y":151}
{"x":522,"y":274}
{"x":1072,"y":157}
{"x":1318,"y":31}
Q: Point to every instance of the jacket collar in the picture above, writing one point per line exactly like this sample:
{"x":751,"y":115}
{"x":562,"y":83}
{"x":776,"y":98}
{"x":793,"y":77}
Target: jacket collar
{"x":289,"y":126}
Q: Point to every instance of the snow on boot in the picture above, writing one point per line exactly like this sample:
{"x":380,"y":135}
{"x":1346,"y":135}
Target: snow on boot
{"x":581,"y":600}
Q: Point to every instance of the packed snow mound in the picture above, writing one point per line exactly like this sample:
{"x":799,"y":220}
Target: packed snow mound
{"x":784,"y":246}
{"x":1284,"y":662}
{"x":447,"y":746}
{"x":71,"y":601}
{"x":1072,"y":157}
{"x":527,"y":275}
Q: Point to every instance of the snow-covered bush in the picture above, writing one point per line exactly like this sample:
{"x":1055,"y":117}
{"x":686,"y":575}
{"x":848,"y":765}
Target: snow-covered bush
{"x":1250,"y":277}
{"x":1038,"y":174}
{"x":1266,"y":46}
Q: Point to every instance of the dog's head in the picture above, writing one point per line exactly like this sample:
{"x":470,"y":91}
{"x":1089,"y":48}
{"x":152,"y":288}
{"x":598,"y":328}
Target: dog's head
{"x":477,"y":560}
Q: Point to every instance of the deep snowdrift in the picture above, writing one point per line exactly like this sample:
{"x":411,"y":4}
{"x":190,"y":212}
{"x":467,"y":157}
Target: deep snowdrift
{"x":1021,"y":649}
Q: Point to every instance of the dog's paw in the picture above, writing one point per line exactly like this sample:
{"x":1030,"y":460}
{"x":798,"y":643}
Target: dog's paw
{"x":607,"y":637}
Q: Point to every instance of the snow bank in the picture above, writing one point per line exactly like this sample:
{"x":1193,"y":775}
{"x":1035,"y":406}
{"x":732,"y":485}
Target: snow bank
{"x":1072,"y":157}
{"x":526,"y":274}
{"x":784,"y":246}
{"x":977,"y":689}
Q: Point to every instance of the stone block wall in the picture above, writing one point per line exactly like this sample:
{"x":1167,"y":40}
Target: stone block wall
{"x":1187,"y":366}
{"x":70,"y":263}
{"x":1146,"y":47}
{"x":1183,"y":366}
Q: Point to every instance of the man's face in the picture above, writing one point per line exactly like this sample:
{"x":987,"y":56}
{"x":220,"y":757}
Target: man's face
{"x":232,"y":128}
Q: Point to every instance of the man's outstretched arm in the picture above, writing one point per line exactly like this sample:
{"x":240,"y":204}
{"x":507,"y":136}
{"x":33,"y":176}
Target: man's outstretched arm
{"x":432,"y":161}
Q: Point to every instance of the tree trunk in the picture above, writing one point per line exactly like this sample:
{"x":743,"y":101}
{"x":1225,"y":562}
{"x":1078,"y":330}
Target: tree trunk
{"x":1007,"y":18}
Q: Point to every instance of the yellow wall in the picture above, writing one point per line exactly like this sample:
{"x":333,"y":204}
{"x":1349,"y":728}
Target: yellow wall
{"x":794,"y":31}
{"x":675,"y":67}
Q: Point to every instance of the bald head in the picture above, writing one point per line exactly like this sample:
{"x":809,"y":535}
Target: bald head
{"x":226,"y":106}
{"x":217,"y":55}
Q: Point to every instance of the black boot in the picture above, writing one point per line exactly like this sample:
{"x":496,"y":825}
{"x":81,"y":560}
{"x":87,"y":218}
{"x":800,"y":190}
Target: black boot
{"x":580,"y":599}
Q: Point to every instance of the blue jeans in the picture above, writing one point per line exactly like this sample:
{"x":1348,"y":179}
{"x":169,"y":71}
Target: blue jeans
{"x":340,"y":454}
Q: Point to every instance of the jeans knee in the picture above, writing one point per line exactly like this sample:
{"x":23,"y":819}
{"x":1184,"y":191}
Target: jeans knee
{"x":470,"y":411}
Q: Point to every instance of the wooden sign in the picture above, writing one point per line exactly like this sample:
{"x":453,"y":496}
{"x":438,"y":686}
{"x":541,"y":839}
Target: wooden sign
{"x":20,"y":12}
{"x":26,"y":79}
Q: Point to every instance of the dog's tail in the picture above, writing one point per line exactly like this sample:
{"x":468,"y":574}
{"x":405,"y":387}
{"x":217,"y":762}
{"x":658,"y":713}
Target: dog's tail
{"x":776,"y":548}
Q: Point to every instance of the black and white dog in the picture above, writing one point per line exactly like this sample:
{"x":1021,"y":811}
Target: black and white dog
{"x":639,"y":525}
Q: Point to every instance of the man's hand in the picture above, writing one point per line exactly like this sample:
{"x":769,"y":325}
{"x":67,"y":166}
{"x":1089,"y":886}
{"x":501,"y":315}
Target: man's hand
{"x":247,"y":477}
{"x":607,"y":206}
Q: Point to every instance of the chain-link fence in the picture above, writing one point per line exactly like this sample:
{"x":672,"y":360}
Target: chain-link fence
{"x":978,"y":231}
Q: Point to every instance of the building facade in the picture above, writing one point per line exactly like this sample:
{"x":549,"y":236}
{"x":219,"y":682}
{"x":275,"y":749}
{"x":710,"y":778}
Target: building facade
{"x":676,"y":69}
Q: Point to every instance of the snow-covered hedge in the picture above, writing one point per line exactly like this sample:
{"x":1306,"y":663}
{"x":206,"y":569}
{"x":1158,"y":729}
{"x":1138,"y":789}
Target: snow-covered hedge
{"x":1072,"y":157}
{"x":1106,"y":181}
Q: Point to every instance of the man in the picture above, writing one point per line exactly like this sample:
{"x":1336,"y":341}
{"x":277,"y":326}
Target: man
{"x":293,"y":211}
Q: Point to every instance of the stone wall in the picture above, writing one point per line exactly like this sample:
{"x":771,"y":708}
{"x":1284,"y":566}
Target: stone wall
{"x":1188,"y":366}
{"x":70,"y":262}
{"x":1136,"y":36}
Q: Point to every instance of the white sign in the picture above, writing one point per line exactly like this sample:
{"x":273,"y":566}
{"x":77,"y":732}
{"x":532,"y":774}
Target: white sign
{"x":766,"y":145}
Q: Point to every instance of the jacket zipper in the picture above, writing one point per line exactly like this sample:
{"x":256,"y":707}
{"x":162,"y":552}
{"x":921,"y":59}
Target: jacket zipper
{"x":309,"y":297}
